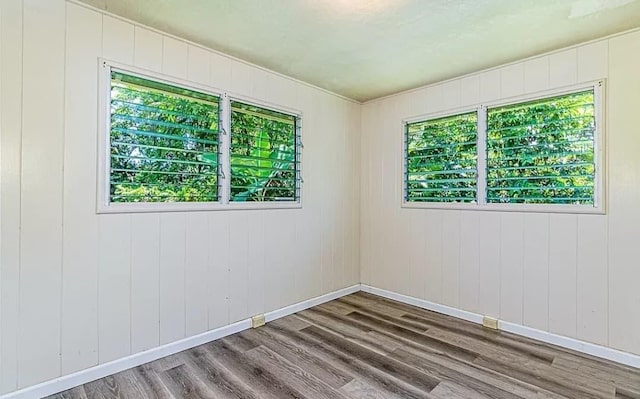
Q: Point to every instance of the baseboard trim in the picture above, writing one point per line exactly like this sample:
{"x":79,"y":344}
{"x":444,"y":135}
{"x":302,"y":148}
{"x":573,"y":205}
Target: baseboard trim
{"x":102,"y":370}
{"x":588,"y":348}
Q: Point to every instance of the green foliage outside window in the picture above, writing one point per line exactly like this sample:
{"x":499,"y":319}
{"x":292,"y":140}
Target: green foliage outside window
{"x":165,"y":146}
{"x":441,"y":164}
{"x":263,"y":154}
{"x":542,"y":152}
{"x":164,"y":142}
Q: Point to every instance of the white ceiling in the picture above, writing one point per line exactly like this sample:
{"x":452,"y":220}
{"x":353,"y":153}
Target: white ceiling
{"x":365,"y":49}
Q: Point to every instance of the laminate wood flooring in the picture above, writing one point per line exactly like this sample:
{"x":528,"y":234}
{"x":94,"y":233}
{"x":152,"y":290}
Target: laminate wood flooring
{"x":364,"y":346}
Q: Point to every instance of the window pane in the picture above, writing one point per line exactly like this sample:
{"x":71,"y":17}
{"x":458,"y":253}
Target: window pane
{"x":441,"y":159}
{"x":164,"y":142}
{"x":542,"y":152}
{"x":264,"y":154}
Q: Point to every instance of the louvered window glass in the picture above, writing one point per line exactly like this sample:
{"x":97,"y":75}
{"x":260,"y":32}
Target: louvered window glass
{"x":264,"y":154}
{"x":542,"y":152}
{"x":164,"y":142}
{"x":441,"y":159}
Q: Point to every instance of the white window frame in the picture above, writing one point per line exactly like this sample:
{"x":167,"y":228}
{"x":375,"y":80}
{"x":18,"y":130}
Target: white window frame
{"x":103,"y":204}
{"x":425,"y":118}
{"x":600,"y":191}
{"x":227,"y":160}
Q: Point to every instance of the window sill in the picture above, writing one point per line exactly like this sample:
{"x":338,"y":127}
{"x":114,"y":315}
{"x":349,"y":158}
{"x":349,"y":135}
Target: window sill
{"x":193,"y":207}
{"x":524,"y":208}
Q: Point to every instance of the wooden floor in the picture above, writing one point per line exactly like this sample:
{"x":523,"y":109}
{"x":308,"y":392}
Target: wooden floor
{"x":364,"y":346}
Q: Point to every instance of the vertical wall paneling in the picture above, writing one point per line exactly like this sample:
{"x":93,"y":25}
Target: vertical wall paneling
{"x":219,"y":70}
{"x":562,"y":274}
{"x":405,"y":253}
{"x":117,"y":40}
{"x":416,"y":250}
{"x":173,"y":227}
{"x":255,"y":258}
{"x":432,"y":100}
{"x":1,"y":373}
{"x":536,"y":74}
{"x":172,"y":276}
{"x":10,"y":171}
{"x":80,"y":225}
{"x":174,"y":57}
{"x":156,"y":278}
{"x":512,"y":80}
{"x":490,"y":85}
{"x":470,"y":92}
{"x":390,"y":198}
{"x":452,"y":92}
{"x":241,"y":78}
{"x":433,"y":262}
{"x":366,"y":234}
{"x":287,"y":294}
{"x":345,"y":245}
{"x":114,"y":251}
{"x":218,"y":297}
{"x":563,"y":68}
{"x":198,"y":65}
{"x":326,"y":243}
{"x":536,"y":271}
{"x":469,"y":261}
{"x":79,"y":289}
{"x":41,"y":191}
{"x":511,"y":257}
{"x":274,"y":259}
{"x":145,"y":229}
{"x":238,"y":264}
{"x":451,"y":258}
{"x":114,"y":287}
{"x":303,"y":254}
{"x":592,"y":290}
{"x":197,"y":258}
{"x":147,"y":49}
{"x":356,"y":199}
{"x":593,"y":61}
{"x":489,"y":281}
{"x":624,"y":193}
{"x":145,"y":282}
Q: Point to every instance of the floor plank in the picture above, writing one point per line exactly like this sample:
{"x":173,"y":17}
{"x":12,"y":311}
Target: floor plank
{"x":366,"y":347}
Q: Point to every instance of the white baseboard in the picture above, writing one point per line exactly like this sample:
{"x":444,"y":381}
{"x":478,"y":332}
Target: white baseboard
{"x":84,"y":376}
{"x":588,"y":348}
{"x":102,"y":370}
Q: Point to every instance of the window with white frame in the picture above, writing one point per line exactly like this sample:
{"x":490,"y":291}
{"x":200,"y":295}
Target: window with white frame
{"x":164,"y":142}
{"x":170,"y":145}
{"x":441,"y":159}
{"x":264,"y":154}
{"x":540,"y":153}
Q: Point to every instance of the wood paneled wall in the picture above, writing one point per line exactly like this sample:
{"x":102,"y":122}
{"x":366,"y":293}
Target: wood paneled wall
{"x":79,"y":289}
{"x":574,"y":275}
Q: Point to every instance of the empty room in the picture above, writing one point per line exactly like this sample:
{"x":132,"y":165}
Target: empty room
{"x":365,"y":199}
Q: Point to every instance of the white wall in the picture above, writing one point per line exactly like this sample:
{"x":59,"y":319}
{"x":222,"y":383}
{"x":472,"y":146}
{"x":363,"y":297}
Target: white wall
{"x":79,"y":289}
{"x":574,"y":275}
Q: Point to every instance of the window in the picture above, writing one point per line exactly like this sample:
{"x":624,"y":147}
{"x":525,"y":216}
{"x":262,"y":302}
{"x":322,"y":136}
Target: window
{"x":536,"y":154}
{"x":164,"y":142}
{"x":169,"y":145}
{"x":542,"y":152}
{"x":442,"y":159}
{"x":264,"y":154}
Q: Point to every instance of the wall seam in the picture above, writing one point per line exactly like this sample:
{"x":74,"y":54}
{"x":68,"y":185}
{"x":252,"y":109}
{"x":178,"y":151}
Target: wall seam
{"x":19,"y":305}
{"x":62,"y":229}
